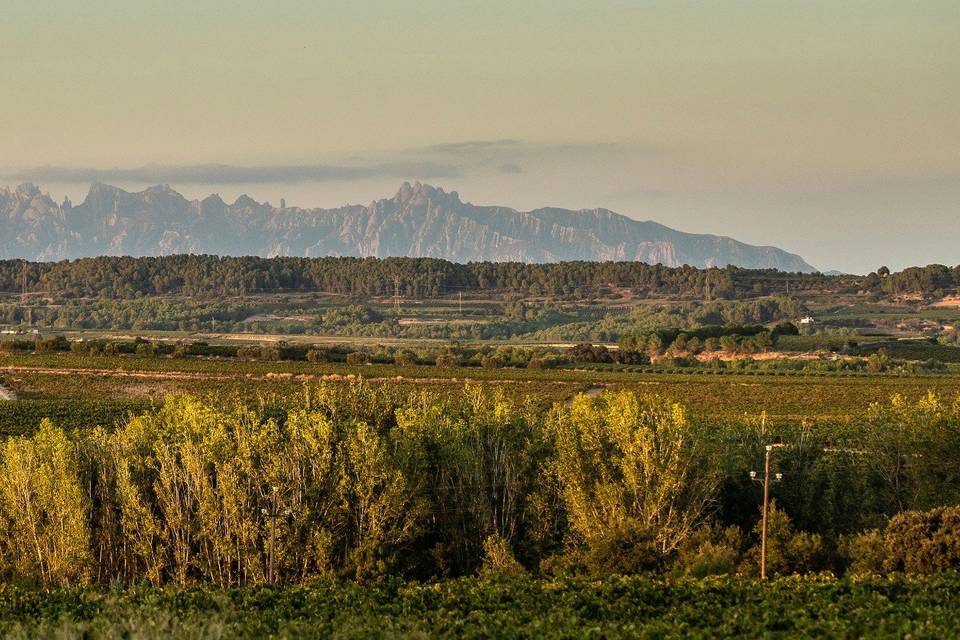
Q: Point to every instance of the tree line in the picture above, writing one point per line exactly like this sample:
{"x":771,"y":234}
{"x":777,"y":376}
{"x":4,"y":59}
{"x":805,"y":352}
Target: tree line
{"x":202,"y":275}
{"x":205,"y":275}
{"x":199,"y":275}
{"x":356,"y":481}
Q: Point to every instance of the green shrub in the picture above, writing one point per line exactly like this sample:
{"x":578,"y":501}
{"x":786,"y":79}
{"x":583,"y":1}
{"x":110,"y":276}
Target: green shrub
{"x":147,"y":349}
{"x":490,"y":362}
{"x":446,"y":360}
{"x":52,"y":345}
{"x":498,"y":558}
{"x":629,"y":549}
{"x":863,"y":553}
{"x":921,"y":542}
{"x":788,"y":550}
{"x":80,"y":348}
{"x":710,"y":551}
{"x":357,"y":357}
{"x":317,"y":355}
{"x":405,"y":358}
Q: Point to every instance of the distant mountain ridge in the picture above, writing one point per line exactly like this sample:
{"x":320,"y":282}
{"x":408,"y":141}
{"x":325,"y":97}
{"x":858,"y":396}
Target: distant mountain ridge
{"x":419,"y":221}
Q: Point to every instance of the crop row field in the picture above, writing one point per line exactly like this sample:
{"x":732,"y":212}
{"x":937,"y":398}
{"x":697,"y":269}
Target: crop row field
{"x":78,"y":391}
{"x":634,"y":607}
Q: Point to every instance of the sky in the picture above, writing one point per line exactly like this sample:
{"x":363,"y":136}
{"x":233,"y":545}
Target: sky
{"x":829,"y":129}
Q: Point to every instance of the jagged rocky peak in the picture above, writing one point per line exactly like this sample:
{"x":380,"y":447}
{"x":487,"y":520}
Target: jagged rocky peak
{"x":160,"y":193}
{"x":102,"y":193}
{"x":160,"y":188}
{"x":27,"y":190}
{"x":244,"y":201}
{"x":99,"y":188}
{"x":419,"y":193}
{"x":405,"y":192}
{"x":213,"y":199}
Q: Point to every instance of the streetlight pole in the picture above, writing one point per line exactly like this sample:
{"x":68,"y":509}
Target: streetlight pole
{"x":766,"y":502}
{"x":763,"y":527}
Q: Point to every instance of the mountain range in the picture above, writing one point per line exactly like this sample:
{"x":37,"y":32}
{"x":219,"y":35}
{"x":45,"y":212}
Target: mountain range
{"x":420,"y":220}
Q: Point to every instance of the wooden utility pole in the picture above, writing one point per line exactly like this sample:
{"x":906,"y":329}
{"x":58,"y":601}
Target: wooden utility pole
{"x":461,"y":302}
{"x":396,"y":294}
{"x":766,"y":503}
{"x":763,"y":526}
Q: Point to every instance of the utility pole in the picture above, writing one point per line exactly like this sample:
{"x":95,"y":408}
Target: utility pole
{"x":766,"y":501}
{"x":763,"y":526}
{"x":461,"y":303}
{"x":396,"y":294}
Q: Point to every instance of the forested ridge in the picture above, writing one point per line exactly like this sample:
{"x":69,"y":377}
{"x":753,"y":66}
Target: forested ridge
{"x":203,"y":275}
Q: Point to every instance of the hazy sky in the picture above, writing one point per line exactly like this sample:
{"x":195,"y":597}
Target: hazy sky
{"x":828,"y":128}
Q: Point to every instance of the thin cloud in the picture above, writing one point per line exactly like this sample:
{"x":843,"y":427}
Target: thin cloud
{"x":526,"y":148}
{"x":234,"y":174}
{"x":473,"y":146}
{"x":509,"y":156}
{"x":434,"y":162}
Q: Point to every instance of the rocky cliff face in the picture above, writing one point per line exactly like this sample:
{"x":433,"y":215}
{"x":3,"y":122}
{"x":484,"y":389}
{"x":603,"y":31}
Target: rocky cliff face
{"x":419,"y":220}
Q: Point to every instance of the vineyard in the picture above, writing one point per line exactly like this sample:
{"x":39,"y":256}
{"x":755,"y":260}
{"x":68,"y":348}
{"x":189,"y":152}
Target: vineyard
{"x":80,"y":391}
{"x":622,"y":607}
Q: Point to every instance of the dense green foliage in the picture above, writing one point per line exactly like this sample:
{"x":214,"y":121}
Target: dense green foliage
{"x":361,"y":481}
{"x":687,"y":316}
{"x":122,"y":277}
{"x":318,"y":315}
{"x":23,"y":416}
{"x":930,"y":279}
{"x":419,"y":277}
{"x":519,"y":607}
